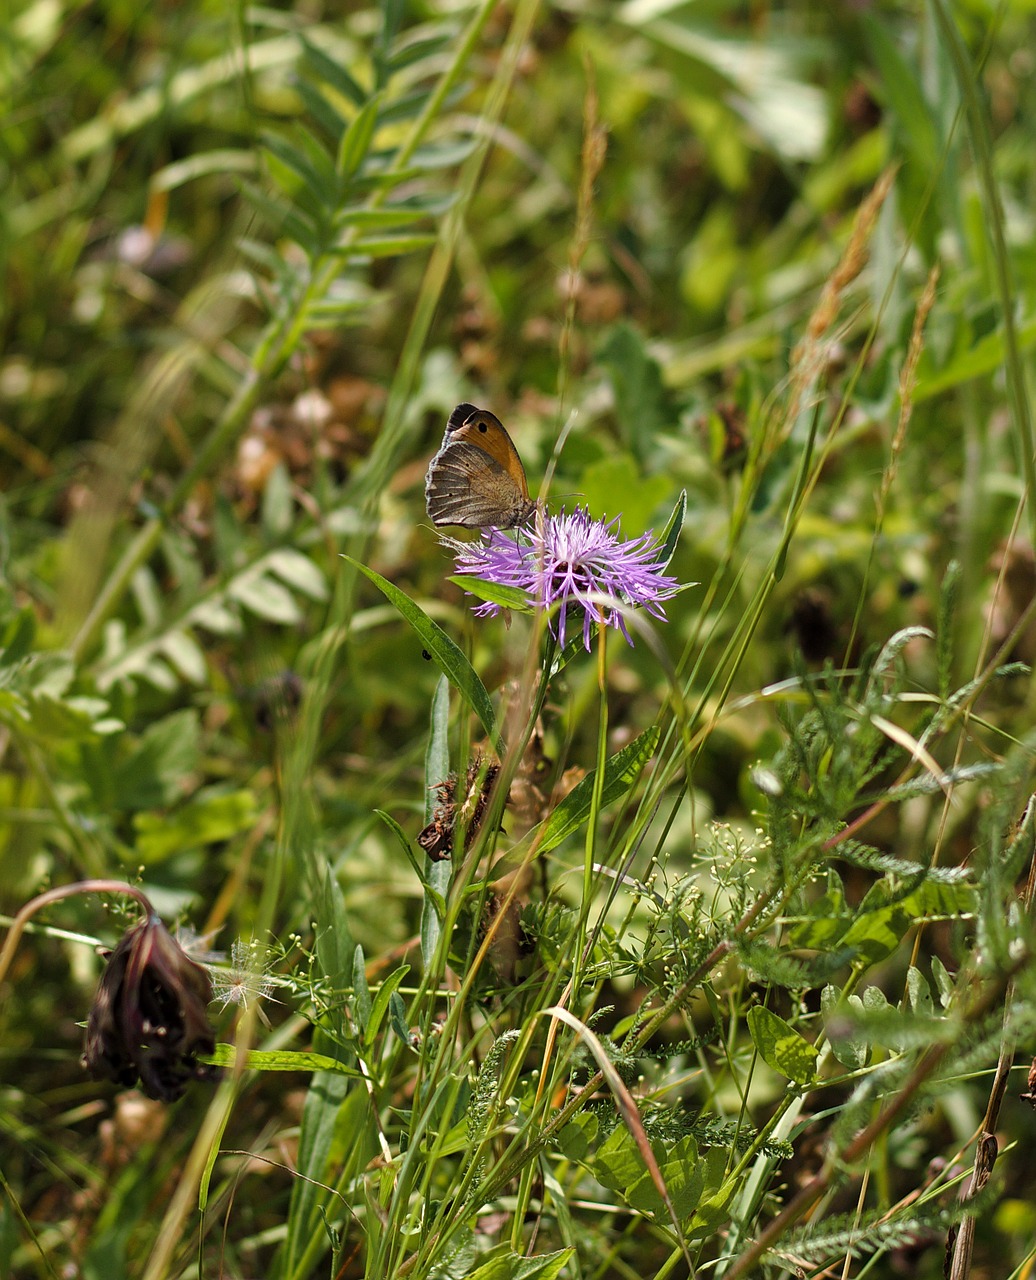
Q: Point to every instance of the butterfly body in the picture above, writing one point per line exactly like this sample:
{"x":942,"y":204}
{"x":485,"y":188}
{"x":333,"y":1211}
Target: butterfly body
{"x":477,"y":480}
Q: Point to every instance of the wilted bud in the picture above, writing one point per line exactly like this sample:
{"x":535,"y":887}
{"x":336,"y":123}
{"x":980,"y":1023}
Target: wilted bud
{"x":149,"y":1017}
{"x":437,"y":837}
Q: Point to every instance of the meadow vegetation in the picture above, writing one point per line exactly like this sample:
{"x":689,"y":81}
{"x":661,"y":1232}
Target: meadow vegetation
{"x":529,"y":948}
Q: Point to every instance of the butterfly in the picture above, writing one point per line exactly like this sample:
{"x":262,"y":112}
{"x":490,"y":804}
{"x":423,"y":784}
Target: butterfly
{"x":477,"y":480}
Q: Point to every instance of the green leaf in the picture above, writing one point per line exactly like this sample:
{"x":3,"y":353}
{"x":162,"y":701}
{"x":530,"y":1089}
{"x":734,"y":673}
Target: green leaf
{"x":847,"y":1043}
{"x":446,"y":655}
{"x":412,"y":858}
{"x":670,"y":535}
{"x":620,"y":773}
{"x":393,"y":246}
{"x":780,"y":1045}
{"x":382,"y":1001}
{"x":153,"y":774}
{"x":184,"y":652}
{"x":265,"y":598}
{"x":620,"y":475}
{"x":209,"y":816}
{"x":361,"y":992}
{"x":514,"y":1266}
{"x":641,"y":407}
{"x":576,"y":1140}
{"x":298,"y":571}
{"x":333,"y":72}
{"x":618,"y":1163}
{"x":225,"y":1055}
{"x":390,"y":215}
{"x":684,"y":1180}
{"x":506,"y":597}
{"x":356,"y":140}
{"x":397,"y":1017}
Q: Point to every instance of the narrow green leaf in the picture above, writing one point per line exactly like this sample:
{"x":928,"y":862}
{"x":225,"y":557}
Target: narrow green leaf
{"x":405,"y":55}
{"x":331,"y":70}
{"x":387,"y":216}
{"x":225,"y":1055}
{"x":394,"y":246}
{"x":671,"y":533}
{"x":506,"y":597}
{"x":445,"y":653}
{"x":780,"y":1045}
{"x":397,"y":1017}
{"x":382,"y":1002}
{"x":361,"y":991}
{"x":620,"y":773}
{"x":356,"y":140}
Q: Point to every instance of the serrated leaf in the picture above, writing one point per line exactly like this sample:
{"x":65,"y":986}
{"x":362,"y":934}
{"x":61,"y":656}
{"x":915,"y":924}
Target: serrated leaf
{"x":445,"y":653}
{"x":780,"y":1045}
{"x":620,"y":773}
{"x":683,"y":1177}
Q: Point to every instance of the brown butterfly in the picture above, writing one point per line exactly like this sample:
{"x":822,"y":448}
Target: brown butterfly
{"x":477,"y":480}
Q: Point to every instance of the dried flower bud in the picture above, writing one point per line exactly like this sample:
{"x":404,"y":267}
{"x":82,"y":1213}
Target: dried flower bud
{"x":149,"y":1017}
{"x":437,"y":837}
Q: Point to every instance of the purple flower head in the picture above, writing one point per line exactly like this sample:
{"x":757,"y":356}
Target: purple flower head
{"x":572,"y":561}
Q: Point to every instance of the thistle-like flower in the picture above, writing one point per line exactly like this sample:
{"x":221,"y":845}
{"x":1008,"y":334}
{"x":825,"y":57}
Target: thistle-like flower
{"x":149,"y":1018}
{"x":572,"y":561}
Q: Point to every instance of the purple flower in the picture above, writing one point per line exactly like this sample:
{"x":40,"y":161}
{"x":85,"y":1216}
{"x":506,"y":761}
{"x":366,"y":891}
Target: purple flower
{"x":573,"y":562}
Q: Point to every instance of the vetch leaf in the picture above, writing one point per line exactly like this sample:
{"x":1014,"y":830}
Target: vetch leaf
{"x":298,"y":571}
{"x":265,"y":598}
{"x":356,"y":140}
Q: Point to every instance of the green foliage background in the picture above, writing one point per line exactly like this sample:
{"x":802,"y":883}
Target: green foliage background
{"x":252,"y":257}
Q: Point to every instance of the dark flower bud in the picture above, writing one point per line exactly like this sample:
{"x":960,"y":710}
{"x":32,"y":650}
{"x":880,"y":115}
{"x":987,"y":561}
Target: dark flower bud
{"x":149,"y":1017}
{"x":437,"y":837}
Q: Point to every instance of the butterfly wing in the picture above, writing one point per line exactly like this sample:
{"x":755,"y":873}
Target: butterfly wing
{"x":476,"y":480}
